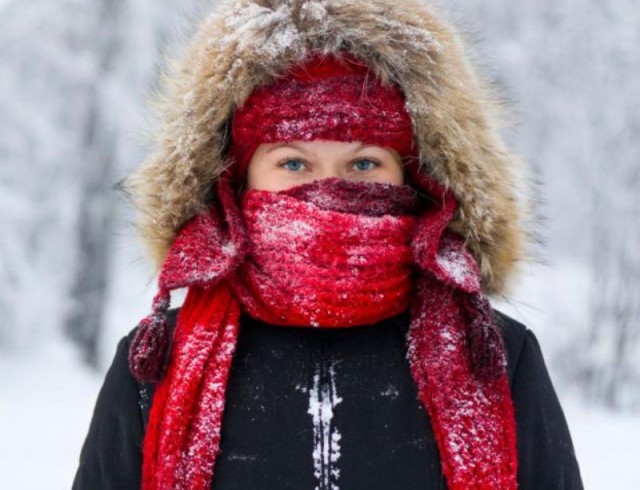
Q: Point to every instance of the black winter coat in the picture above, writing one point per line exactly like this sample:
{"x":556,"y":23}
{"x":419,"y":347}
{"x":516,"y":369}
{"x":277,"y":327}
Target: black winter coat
{"x":383,"y":432}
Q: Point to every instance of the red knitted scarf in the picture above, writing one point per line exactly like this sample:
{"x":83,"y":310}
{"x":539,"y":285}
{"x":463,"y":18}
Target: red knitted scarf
{"x":330,"y":254}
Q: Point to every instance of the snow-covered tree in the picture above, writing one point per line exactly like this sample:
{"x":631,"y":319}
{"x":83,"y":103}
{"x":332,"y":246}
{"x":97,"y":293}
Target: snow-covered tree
{"x":570,"y":71}
{"x":74,"y":77}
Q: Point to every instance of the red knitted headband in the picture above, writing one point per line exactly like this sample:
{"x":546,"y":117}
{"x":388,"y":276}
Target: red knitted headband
{"x":327,"y":97}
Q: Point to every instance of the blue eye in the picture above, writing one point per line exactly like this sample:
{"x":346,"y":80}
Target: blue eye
{"x":365,"y":164}
{"x":293,"y":165}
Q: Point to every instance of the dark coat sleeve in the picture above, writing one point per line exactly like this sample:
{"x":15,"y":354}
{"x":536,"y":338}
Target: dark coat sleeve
{"x":545,"y":450}
{"x":111,"y":456}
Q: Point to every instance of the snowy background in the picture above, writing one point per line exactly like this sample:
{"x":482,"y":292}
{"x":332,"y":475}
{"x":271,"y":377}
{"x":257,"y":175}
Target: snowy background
{"x":73,"y":278}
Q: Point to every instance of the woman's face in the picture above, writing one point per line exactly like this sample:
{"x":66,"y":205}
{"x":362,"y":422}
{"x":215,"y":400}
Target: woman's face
{"x":280,"y":166}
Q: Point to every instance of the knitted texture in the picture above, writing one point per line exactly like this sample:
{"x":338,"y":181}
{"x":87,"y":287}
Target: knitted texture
{"x":326,"y":267}
{"x":330,"y":254}
{"x":327,"y":98}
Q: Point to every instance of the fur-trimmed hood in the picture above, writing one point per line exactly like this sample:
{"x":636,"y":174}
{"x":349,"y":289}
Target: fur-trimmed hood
{"x":455,"y":113}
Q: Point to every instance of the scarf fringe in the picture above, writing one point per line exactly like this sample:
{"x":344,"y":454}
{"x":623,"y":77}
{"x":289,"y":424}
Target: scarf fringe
{"x":150,"y":348}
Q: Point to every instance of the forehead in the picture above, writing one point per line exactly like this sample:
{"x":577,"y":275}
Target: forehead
{"x":322,"y":147}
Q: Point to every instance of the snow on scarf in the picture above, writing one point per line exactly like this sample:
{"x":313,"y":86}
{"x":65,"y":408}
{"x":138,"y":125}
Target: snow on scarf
{"x":329,"y":254}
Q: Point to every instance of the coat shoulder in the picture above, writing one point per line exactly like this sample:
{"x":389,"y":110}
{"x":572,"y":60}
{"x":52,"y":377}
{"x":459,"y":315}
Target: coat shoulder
{"x":546,"y":455}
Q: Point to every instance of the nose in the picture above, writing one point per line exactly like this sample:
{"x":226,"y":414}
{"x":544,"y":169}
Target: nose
{"x":330,"y":169}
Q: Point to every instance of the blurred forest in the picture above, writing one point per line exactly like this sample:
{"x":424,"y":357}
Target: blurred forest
{"x":75,"y":75}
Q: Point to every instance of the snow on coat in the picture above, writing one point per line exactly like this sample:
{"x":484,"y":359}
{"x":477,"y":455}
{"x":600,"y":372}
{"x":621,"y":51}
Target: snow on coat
{"x":332,"y":410}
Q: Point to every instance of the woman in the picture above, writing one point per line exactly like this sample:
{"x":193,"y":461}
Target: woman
{"x":330,"y":187}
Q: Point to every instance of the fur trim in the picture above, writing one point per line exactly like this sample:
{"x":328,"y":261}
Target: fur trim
{"x":245,"y":43}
